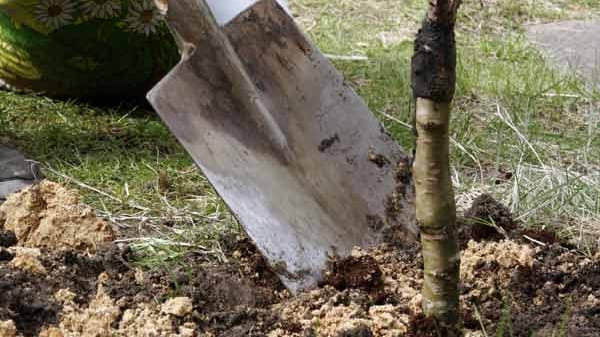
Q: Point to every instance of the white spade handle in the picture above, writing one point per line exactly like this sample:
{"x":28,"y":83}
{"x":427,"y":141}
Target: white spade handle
{"x":226,"y":10}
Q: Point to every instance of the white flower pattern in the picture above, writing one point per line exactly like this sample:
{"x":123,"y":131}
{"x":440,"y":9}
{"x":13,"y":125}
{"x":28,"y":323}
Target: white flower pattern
{"x":101,"y":9}
{"x":55,"y":13}
{"x":143,"y":17}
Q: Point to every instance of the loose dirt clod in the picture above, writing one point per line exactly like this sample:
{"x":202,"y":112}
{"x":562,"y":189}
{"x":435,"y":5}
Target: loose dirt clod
{"x":27,"y":259}
{"x":7,"y":238}
{"x":48,"y":215}
{"x":6,"y":255}
{"x":383,"y":310}
{"x":94,"y":321}
{"x":378,"y":159}
{"x":104,"y":317}
{"x":354,"y":272}
{"x":421,"y":326}
{"x":387,"y":322}
{"x":489,"y":219}
{"x":178,"y":306}
{"x":481,"y":257}
{"x":51,"y":332}
{"x":542,"y":235}
{"x":8,"y":329}
{"x":147,"y":320}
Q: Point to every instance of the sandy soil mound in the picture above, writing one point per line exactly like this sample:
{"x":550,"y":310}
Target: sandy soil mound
{"x":48,"y":215}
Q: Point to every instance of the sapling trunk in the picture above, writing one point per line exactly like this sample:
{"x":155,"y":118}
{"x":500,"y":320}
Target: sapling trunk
{"x":433,"y":82}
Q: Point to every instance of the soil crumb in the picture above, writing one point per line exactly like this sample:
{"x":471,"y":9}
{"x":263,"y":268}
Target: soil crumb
{"x":422,"y":326}
{"x":503,"y":257}
{"x":147,"y":320}
{"x":47,"y":215}
{"x":378,"y":159}
{"x":6,"y":255}
{"x":489,"y":219}
{"x":179,"y":306}
{"x":51,"y":332}
{"x":381,"y":311}
{"x":354,"y":272}
{"x":328,"y":142}
{"x":8,"y":329}
{"x":27,"y":259}
{"x":7,"y":239}
{"x":94,"y":321}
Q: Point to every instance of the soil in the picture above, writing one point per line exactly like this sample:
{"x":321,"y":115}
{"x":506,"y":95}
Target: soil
{"x":422,"y":326}
{"x":542,"y":235}
{"x":48,"y":215}
{"x":510,"y":286}
{"x":489,"y":219}
{"x":360,"y":272}
{"x":7,"y":239}
{"x":402,"y":196}
{"x":328,"y":142}
{"x":378,"y":159}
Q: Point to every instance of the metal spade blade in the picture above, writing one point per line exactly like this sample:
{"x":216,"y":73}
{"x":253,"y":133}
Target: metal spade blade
{"x":295,"y":153}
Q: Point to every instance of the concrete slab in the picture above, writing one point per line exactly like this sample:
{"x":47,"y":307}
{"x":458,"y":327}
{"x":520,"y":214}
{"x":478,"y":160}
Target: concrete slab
{"x":573,"y":45}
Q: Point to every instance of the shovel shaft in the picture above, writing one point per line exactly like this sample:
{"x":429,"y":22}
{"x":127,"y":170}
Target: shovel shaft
{"x":189,"y":37}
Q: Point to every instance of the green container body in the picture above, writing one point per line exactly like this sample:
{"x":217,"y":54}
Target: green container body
{"x":84,"y":48}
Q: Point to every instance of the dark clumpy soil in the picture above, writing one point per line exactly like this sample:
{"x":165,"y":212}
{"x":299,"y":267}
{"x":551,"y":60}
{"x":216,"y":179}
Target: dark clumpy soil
{"x":5,"y":255}
{"x":354,"y":273}
{"x":558,"y":292}
{"x":28,"y":299}
{"x":488,"y":219}
{"x":226,"y":303}
{"x":542,"y":235}
{"x":378,"y":159}
{"x":328,"y":142}
{"x":421,"y":326}
{"x":403,"y":192}
{"x":7,"y":239}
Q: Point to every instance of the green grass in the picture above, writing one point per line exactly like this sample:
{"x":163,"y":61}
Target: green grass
{"x":127,"y":165}
{"x":513,"y":113}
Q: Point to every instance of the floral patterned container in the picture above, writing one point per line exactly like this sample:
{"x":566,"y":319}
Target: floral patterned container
{"x":83,"y":48}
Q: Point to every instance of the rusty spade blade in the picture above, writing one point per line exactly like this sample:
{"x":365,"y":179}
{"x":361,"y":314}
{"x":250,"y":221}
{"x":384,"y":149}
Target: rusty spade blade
{"x":303,"y":164}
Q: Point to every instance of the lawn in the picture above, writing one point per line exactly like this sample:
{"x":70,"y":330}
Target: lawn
{"x":521,"y":130}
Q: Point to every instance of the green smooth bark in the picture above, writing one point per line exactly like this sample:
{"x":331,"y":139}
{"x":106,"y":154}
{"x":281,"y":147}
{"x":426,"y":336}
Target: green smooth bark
{"x":436,"y":214}
{"x":433,"y":83}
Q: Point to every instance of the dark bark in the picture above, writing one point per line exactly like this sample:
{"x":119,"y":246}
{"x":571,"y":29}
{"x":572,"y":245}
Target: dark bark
{"x":433,"y":73}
